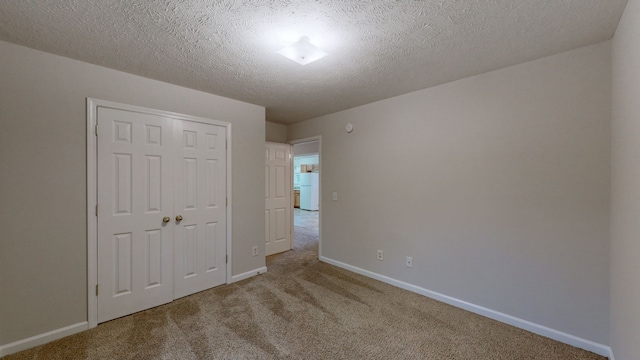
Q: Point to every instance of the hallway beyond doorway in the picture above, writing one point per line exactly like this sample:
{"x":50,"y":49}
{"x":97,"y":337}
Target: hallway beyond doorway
{"x":305,"y":218}
{"x":305,"y":230}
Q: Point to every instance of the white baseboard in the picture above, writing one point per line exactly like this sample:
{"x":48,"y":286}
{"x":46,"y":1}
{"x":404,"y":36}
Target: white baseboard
{"x":41,"y":339}
{"x":248,"y":274}
{"x":569,"y":339}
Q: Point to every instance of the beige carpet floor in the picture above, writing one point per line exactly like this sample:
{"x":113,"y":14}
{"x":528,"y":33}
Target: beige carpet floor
{"x":305,"y":309}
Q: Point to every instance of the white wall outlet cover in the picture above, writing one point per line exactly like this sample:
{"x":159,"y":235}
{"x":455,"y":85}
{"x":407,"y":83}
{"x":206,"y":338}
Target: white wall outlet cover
{"x":349,"y":127}
{"x":409,"y":262}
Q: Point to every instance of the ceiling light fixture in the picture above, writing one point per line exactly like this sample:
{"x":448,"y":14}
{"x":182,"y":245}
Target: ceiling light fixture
{"x":302,"y":52}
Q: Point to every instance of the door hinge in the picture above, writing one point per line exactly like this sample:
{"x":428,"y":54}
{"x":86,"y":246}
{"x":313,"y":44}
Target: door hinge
{"x":96,"y":129}
{"x":226,"y":144}
{"x":227,"y":202}
{"x":226,"y":259}
{"x":96,"y":289}
{"x":96,"y":209}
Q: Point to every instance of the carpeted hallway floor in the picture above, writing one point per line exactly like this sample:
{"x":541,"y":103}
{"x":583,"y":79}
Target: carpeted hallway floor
{"x":304,"y":309}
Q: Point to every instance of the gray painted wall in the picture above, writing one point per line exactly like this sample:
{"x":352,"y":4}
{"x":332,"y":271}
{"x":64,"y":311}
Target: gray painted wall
{"x":43,"y":252}
{"x":625,"y":181}
{"x":498,"y":185}
{"x":275,"y":132}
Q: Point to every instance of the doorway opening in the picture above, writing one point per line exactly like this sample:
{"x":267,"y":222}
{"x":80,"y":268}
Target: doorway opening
{"x":307,"y":194}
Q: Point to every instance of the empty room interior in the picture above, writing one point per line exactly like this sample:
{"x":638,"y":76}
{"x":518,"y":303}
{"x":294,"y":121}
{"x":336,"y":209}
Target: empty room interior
{"x":474,"y":165}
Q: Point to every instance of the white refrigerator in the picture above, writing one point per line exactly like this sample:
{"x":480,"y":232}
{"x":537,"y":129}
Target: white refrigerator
{"x":309,"y":191}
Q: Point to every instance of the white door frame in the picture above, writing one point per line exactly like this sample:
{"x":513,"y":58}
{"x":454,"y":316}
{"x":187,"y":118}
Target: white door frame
{"x":302,"y":141}
{"x":92,"y":192}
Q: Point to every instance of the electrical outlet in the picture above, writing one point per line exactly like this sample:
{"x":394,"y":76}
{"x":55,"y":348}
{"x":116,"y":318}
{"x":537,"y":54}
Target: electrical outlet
{"x":380,"y":255}
{"x":409,"y":262}
{"x":254,"y":251}
{"x":335,"y":196}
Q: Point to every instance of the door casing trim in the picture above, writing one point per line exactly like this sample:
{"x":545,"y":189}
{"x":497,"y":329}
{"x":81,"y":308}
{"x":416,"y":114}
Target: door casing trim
{"x":92,"y":192}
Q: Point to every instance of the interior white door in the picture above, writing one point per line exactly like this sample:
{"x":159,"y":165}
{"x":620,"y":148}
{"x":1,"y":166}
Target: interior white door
{"x":134,"y":195}
{"x":278,"y":204}
{"x":200,"y":207}
{"x":161,"y":210}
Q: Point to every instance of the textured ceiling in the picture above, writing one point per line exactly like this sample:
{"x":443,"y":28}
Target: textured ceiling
{"x":377,"y":49}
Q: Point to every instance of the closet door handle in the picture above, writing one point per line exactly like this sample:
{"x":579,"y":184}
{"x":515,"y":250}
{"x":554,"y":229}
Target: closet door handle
{"x":166,"y":219}
{"x":179,"y":217}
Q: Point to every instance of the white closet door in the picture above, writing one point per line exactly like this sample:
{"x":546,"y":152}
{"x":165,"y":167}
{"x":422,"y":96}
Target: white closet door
{"x":200,"y":201}
{"x":278,"y":204}
{"x":134,"y":195}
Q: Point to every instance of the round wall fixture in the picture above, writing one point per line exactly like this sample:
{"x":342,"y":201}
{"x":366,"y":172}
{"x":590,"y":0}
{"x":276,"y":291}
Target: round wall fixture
{"x":349,"y":127}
